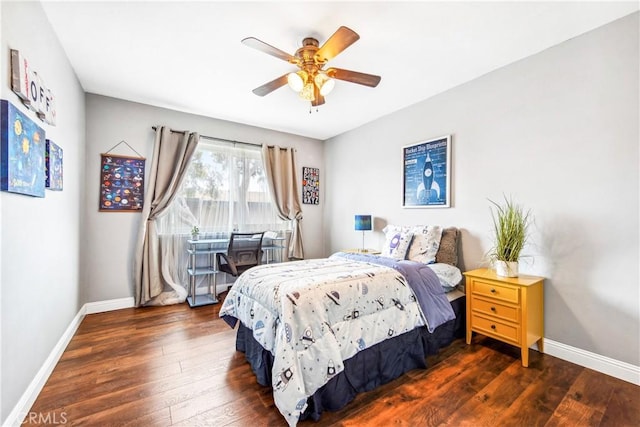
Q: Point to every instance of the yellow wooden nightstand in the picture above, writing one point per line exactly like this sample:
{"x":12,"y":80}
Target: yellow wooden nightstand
{"x":509,"y":309}
{"x":362,"y":251}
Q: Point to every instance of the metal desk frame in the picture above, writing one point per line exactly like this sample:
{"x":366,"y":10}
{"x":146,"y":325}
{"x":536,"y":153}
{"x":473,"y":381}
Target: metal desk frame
{"x":211,"y":247}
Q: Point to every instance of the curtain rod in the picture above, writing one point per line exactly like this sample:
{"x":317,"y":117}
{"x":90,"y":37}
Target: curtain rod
{"x":220,"y":139}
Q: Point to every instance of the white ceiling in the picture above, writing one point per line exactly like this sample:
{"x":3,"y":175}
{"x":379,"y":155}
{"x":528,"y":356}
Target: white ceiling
{"x":187,"y":56}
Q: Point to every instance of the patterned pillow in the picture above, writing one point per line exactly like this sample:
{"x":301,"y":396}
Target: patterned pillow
{"x":449,"y":276}
{"x":396,"y":243}
{"x":448,"y":250}
{"x":425,"y":243}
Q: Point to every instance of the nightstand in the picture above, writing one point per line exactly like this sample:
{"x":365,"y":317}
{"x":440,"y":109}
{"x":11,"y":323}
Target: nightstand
{"x":509,"y":309}
{"x":362,"y":251}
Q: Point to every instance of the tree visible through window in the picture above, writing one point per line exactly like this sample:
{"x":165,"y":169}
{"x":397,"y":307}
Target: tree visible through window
{"x":225,"y":189}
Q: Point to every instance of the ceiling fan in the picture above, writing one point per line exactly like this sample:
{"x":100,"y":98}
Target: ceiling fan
{"x":312,"y":81}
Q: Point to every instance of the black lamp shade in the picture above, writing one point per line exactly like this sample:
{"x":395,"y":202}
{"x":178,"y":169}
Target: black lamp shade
{"x":363,"y":222}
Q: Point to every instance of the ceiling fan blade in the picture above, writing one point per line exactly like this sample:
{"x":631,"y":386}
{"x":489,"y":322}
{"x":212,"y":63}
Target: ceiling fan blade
{"x":339,"y":41}
{"x":354,"y":77}
{"x":268,"y":49}
{"x":267,"y":88}
{"x":319,"y":99}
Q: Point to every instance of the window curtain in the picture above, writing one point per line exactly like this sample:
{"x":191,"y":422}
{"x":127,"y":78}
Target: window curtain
{"x":172,"y":153}
{"x":280,"y":168}
{"x":225,"y":189}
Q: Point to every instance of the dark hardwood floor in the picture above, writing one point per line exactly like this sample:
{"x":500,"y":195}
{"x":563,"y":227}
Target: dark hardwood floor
{"x":177,"y":366}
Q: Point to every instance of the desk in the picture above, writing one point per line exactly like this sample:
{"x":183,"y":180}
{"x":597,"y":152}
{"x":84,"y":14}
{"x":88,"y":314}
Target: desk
{"x":210,"y":247}
{"x":362,"y":251}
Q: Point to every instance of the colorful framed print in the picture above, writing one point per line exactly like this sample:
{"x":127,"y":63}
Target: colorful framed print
{"x":121,"y":183}
{"x":53,"y":166}
{"x":22,"y":152}
{"x":310,"y":186}
{"x":426,"y":174}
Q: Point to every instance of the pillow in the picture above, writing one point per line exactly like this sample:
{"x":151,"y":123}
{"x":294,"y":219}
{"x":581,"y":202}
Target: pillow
{"x":449,"y":276}
{"x":396,"y":243}
{"x":448,"y":250}
{"x":425,"y":243}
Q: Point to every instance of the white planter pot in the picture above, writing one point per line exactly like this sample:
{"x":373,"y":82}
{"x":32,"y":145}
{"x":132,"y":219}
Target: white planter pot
{"x":507,"y":268}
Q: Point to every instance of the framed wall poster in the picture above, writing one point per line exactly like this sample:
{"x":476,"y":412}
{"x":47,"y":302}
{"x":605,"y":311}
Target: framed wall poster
{"x":426,"y":174}
{"x":121,"y":183}
{"x":22,"y":152}
{"x":310,"y":186}
{"x":53,"y":166}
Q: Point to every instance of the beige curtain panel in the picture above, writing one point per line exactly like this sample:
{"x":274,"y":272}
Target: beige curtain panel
{"x":280,"y":168}
{"x":172,"y":153}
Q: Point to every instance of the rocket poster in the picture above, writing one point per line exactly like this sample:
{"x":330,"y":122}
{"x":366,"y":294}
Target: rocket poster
{"x":427,"y":174}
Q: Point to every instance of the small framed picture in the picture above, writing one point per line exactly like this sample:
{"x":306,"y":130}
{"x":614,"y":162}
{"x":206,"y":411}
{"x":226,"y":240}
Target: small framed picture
{"x":53,"y":166}
{"x":310,"y":186}
{"x":426,"y":174}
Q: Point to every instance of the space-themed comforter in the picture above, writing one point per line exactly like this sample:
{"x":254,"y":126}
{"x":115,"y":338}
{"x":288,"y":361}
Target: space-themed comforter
{"x":314,"y":314}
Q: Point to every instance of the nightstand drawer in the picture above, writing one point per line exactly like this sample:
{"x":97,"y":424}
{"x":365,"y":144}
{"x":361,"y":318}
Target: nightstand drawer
{"x":496,"y":291}
{"x":495,"y":309}
{"x":495,"y":329}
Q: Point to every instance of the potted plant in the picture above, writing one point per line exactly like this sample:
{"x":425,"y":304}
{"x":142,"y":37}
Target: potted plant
{"x":510,"y":225}
{"x":195,"y":232}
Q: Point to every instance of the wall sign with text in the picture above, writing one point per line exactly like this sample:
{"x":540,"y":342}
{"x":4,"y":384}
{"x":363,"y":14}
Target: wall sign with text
{"x":30,"y":87}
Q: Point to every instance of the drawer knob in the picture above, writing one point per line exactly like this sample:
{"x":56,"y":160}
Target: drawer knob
{"x":493,"y":291}
{"x":493,"y":327}
{"x":493,"y":309}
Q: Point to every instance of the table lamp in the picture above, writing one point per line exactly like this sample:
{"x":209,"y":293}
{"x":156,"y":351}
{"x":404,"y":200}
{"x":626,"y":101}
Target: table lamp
{"x":363,"y":223}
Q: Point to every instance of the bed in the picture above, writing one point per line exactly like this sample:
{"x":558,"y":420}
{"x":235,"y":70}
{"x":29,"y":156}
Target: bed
{"x":321,"y":331}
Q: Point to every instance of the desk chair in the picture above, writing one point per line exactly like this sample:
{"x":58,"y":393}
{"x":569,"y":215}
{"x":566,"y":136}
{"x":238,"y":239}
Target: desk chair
{"x":244,"y":252}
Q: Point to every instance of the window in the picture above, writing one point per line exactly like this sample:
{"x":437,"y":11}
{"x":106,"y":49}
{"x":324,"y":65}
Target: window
{"x":225,"y":189}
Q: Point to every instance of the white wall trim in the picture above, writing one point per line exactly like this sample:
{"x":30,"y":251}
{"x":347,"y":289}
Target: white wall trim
{"x":109,"y":305}
{"x":28,"y":398}
{"x":30,"y":395}
{"x":615,"y":368}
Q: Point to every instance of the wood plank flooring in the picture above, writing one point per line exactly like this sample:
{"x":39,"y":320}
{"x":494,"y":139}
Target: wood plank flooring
{"x":177,"y":366}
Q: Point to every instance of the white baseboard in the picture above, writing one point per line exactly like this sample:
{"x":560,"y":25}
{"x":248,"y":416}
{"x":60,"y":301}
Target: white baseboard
{"x":21,"y":410}
{"x":109,"y":305}
{"x":615,"y":368}
{"x":28,"y":398}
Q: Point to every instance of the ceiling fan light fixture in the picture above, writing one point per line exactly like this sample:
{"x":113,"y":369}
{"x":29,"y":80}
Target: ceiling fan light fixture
{"x":307,"y":92}
{"x":312,"y":82}
{"x":297,"y":81}
{"x":324,"y":82}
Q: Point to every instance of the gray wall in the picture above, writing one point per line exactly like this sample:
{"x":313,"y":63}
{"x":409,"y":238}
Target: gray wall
{"x":109,"y":240}
{"x":559,"y":132}
{"x":39,"y":237}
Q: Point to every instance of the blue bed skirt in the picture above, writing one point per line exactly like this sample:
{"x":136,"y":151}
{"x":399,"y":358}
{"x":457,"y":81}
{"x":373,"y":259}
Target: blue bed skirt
{"x":366,"y":370}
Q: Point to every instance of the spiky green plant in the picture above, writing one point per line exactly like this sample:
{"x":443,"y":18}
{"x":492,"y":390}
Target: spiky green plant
{"x":510,"y":224}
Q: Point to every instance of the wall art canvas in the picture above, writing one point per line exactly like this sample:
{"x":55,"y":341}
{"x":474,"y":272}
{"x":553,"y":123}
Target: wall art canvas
{"x":426,"y":176}
{"x":22,"y":152}
{"x":310,"y":186}
{"x":53,"y":166}
{"x":121,"y":183}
